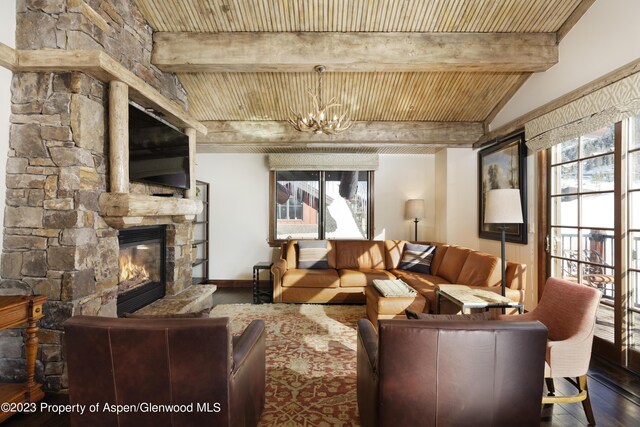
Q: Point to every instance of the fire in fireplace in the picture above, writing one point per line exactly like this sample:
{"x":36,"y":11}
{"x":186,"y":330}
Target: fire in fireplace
{"x":142,"y":267}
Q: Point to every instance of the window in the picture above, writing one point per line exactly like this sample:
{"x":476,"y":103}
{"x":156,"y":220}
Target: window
{"x":320,"y":205}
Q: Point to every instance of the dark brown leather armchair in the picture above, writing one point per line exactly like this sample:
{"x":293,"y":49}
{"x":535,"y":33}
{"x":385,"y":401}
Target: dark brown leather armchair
{"x":144,"y":362}
{"x":450,"y":373}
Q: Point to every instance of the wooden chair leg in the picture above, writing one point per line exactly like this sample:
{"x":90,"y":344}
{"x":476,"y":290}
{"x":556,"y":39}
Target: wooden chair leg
{"x":551,"y":388}
{"x":586,"y":403}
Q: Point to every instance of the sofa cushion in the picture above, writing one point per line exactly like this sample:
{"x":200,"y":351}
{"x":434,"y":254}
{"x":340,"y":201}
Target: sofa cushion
{"x":441,"y":250}
{"x":313,"y":254}
{"x":452,"y":263}
{"x":425,"y":284}
{"x":360,"y":254}
{"x":417,"y":258}
{"x":306,"y":278}
{"x":362,"y":277}
{"x":393,"y":252}
{"x":480,"y":269}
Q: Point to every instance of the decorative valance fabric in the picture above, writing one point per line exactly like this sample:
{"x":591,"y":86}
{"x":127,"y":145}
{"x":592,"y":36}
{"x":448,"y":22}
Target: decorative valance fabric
{"x":323,"y":161}
{"x":591,"y":112}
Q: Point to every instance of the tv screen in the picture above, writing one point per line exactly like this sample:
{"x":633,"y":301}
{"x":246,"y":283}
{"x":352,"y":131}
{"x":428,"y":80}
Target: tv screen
{"x":158,"y":152}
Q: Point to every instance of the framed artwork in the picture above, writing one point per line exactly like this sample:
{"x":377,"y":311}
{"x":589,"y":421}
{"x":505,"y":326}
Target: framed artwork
{"x":503,"y":165}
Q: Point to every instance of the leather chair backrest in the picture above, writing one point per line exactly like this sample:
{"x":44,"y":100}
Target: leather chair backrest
{"x":160,"y":361}
{"x":460,"y":372}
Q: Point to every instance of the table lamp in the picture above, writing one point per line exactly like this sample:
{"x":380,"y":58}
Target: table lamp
{"x":414,"y":209}
{"x":503,"y":207}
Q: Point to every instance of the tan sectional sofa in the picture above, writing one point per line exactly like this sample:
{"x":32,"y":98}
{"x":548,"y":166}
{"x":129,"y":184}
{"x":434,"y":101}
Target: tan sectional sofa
{"x":354,"y":264}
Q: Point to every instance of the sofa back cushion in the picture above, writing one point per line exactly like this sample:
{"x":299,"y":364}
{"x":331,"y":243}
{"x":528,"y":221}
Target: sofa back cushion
{"x":452,"y":263}
{"x":480,"y":269}
{"x":291,"y":251}
{"x":355,"y":254}
{"x":438,"y":256}
{"x":393,"y":252}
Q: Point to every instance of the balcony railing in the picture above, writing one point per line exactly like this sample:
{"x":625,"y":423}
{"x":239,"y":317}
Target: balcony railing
{"x":592,"y":264}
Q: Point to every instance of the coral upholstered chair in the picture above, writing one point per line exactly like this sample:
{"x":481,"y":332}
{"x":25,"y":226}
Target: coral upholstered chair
{"x":568,"y":310}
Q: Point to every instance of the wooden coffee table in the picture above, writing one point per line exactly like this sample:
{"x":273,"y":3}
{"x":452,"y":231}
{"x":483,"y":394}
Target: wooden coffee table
{"x":469,"y":298}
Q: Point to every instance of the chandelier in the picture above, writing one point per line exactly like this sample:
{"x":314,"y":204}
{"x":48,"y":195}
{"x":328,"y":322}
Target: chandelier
{"x":318,"y":121}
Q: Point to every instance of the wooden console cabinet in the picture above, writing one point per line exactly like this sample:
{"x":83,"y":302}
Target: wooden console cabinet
{"x":14,"y":311}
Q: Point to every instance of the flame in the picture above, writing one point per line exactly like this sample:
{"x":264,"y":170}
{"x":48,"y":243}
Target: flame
{"x":129,"y":270}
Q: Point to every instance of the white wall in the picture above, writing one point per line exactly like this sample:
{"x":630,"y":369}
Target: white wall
{"x":240,"y":201}
{"x":239,"y":212}
{"x":8,"y":37}
{"x":607,"y":37}
{"x":398,"y":179}
{"x":456,"y":183}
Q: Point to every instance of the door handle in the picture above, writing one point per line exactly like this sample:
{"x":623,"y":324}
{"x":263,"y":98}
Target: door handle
{"x":547,"y":244}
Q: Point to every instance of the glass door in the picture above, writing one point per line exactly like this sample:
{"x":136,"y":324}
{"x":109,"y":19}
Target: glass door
{"x":593,"y":198}
{"x":633,"y":243}
{"x":582,"y":225}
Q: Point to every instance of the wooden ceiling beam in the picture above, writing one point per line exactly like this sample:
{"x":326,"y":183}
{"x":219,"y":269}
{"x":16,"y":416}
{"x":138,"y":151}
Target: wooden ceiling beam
{"x":364,"y":52}
{"x":272,"y":134}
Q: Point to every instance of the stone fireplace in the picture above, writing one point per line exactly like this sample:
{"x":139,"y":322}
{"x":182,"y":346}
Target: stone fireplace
{"x":64,"y":221}
{"x":141,"y":264}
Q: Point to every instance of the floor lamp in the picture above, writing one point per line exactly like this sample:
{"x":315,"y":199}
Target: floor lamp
{"x":503,"y":207}
{"x":414,"y":209}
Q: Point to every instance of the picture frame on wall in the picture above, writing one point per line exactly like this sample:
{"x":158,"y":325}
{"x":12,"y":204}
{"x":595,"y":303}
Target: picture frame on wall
{"x":503,"y":165}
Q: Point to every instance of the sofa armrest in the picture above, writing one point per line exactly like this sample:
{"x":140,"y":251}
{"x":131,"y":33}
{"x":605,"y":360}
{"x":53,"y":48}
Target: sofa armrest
{"x":367,"y":373}
{"x":278,"y":269}
{"x":251,"y":337}
{"x":368,"y":339}
{"x":248,"y":377}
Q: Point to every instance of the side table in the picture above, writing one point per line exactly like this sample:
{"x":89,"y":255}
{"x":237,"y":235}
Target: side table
{"x":14,"y":311}
{"x":257,"y":292}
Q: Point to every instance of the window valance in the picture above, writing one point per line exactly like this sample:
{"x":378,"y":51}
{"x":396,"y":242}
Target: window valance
{"x":323,"y":161}
{"x":600,"y":108}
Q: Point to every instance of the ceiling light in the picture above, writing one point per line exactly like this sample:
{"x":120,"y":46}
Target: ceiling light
{"x":318,"y":121}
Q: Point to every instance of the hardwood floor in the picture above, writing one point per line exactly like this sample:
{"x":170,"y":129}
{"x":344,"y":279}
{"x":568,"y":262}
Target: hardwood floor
{"x":615,"y":392}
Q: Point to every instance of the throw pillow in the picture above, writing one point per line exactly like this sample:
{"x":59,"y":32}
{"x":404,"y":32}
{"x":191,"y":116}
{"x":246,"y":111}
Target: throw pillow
{"x":485,"y":315}
{"x":313,"y":255}
{"x":417,"y":258}
{"x":194,"y":315}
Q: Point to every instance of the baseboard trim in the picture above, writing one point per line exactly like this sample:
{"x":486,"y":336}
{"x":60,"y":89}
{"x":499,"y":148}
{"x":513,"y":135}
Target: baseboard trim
{"x":230,"y":283}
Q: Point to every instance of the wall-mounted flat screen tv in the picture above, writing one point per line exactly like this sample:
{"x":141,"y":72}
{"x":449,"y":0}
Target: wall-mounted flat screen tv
{"x":158,"y":152}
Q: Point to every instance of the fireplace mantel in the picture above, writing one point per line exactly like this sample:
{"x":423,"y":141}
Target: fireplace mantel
{"x":123,"y":210}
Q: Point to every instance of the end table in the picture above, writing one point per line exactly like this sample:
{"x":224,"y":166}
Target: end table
{"x":257,"y":292}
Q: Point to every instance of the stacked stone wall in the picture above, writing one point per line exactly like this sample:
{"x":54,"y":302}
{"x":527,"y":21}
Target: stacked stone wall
{"x":55,"y":242}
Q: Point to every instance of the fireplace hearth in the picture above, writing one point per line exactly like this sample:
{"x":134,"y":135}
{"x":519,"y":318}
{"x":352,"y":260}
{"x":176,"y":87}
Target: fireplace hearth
{"x":142,"y":278}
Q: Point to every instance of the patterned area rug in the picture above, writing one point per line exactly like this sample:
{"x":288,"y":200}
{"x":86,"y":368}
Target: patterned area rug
{"x":311,"y":361}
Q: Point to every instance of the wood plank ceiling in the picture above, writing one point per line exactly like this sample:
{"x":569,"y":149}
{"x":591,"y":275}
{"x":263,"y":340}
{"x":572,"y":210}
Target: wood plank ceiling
{"x":430,"y":64}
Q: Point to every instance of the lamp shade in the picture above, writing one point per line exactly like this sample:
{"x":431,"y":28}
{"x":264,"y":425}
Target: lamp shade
{"x":503,"y":207}
{"x":414,"y":209}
